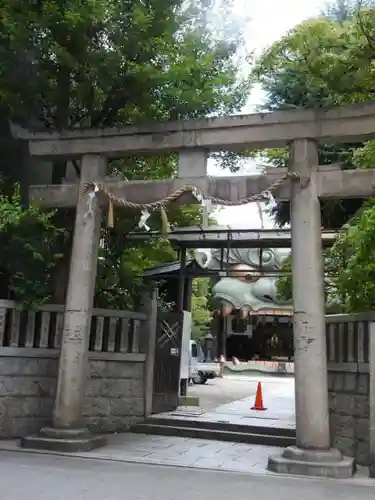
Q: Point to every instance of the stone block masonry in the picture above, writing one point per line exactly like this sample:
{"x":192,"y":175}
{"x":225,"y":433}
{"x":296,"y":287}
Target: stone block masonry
{"x":114,"y":394}
{"x":349,"y":413}
{"x":349,"y":380}
{"x":27,"y":388}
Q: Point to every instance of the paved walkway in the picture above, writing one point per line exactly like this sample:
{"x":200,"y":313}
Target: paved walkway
{"x":278,"y":398}
{"x":182,"y":452}
{"x":220,"y":391}
{"x":200,"y":453}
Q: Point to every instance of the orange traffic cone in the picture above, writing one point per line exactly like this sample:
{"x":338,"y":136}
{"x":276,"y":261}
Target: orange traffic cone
{"x":258,"y":405}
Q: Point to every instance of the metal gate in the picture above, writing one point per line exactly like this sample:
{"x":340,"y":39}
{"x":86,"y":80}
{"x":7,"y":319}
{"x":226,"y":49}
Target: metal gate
{"x":167,"y":362}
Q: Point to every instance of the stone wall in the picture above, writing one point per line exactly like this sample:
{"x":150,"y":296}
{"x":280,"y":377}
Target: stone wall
{"x":115,"y":395}
{"x":349,"y":413}
{"x":348,"y":353}
{"x":279,"y":367}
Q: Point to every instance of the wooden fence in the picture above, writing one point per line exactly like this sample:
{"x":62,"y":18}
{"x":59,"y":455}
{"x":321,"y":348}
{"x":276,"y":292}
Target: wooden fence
{"x":112,"y":331}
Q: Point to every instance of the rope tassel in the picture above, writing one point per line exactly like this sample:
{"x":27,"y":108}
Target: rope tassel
{"x":165,"y":226}
{"x":110,"y":214}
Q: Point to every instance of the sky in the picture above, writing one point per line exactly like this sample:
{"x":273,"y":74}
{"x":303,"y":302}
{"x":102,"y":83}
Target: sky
{"x":270,"y":20}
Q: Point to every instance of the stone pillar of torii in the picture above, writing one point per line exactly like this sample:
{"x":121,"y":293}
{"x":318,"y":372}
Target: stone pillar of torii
{"x":307,"y":183}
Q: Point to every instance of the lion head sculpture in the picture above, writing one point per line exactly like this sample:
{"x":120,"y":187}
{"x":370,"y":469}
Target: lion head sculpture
{"x":249,"y":284}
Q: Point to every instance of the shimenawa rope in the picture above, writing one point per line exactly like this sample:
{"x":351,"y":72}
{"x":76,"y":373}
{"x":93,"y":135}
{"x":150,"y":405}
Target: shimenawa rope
{"x":197,"y":192}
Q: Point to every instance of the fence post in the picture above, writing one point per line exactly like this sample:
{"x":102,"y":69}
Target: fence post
{"x":150,"y":307}
{"x":372,"y":397}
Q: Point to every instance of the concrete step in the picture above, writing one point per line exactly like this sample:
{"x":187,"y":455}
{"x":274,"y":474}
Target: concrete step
{"x":214,"y":434}
{"x":220,"y":426}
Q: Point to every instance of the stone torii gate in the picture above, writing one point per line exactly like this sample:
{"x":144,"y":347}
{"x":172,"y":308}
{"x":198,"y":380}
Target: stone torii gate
{"x":301,"y":131}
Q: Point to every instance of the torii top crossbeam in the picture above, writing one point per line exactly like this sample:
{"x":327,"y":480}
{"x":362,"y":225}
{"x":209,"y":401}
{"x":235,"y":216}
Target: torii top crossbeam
{"x":195,"y":138}
{"x":267,"y":130}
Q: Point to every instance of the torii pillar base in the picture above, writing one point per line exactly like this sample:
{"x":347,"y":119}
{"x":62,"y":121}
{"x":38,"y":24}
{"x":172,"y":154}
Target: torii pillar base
{"x":64,"y":440}
{"x":319,"y":463}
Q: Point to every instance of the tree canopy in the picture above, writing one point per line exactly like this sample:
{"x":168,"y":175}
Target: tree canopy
{"x":323,"y":62}
{"x":69,"y":64}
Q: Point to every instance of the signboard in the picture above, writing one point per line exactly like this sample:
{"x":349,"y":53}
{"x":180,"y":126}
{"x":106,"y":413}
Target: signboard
{"x":185,"y":345}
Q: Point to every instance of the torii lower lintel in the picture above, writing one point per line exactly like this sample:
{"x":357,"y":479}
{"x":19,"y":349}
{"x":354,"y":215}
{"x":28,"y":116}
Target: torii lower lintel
{"x":331,"y":182}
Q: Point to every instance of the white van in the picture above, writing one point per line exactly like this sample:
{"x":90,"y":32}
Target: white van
{"x":199,"y":370}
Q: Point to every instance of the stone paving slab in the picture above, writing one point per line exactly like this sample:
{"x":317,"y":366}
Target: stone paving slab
{"x":182,"y":452}
{"x":187,"y":411}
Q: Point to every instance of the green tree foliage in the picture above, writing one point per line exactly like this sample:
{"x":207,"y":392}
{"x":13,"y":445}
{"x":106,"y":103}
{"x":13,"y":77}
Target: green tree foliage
{"x":102,"y":63}
{"x":352,"y":258}
{"x":334,"y":265}
{"x":284,"y":281}
{"x":200,"y":306}
{"x":94,"y":63}
{"x":325,"y":62}
{"x":27,"y":237}
{"x":319,"y":63}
